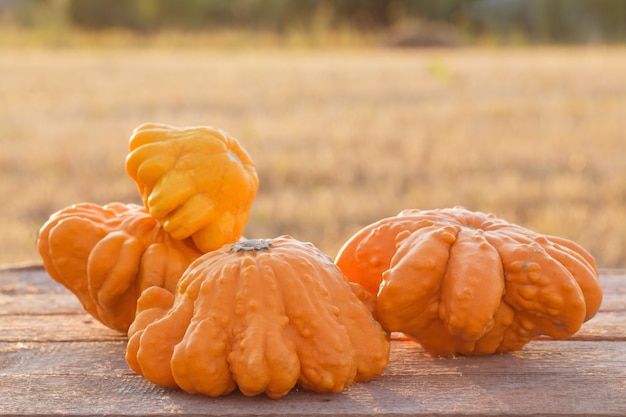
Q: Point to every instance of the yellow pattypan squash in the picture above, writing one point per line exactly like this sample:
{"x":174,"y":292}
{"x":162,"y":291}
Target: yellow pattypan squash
{"x":199,"y":182}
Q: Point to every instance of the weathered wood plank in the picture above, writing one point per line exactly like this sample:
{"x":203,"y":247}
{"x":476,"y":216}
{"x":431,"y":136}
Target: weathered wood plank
{"x":55,"y":328}
{"x":56,"y":359}
{"x":546,"y":378}
{"x":28,"y":279}
{"x":614,"y":289}
{"x":102,"y":358}
{"x":22,"y":291}
{"x":34,"y":280}
{"x":39,"y":304}
{"x":79,"y":326}
{"x":64,"y":302}
{"x":604,"y":326}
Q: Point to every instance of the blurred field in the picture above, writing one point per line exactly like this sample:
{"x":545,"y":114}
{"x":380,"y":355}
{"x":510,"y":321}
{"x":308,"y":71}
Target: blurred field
{"x":340,"y":139}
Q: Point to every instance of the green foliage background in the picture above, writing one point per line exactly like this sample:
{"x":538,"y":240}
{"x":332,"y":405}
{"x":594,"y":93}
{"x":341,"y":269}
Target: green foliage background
{"x":532,"y":21}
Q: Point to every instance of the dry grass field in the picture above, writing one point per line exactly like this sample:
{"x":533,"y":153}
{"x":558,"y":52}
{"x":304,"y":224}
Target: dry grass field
{"x":340,"y":138}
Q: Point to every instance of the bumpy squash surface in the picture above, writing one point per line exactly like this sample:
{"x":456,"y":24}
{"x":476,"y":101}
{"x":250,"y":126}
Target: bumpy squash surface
{"x":262,"y":316}
{"x":199,"y":182}
{"x":466,"y":282}
{"x":107,"y":255}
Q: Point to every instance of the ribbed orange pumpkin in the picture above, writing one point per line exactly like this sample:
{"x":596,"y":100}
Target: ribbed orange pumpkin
{"x":260,"y":315}
{"x":106,"y":255}
{"x":466,"y":282}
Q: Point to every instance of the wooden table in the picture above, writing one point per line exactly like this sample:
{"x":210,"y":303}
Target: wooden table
{"x":56,"y":359}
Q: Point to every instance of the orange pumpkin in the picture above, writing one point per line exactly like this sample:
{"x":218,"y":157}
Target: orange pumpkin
{"x":467,"y":282}
{"x":107,"y":255}
{"x":260,"y":315}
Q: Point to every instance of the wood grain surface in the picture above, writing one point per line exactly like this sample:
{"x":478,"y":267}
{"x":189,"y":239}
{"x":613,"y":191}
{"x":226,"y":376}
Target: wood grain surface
{"x":57,"y":360}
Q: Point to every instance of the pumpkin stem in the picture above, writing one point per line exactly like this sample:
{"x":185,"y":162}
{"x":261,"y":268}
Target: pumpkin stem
{"x":251,"y":245}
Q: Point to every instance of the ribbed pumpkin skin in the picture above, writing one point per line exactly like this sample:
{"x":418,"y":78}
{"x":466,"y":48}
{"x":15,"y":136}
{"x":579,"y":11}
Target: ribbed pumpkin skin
{"x":262,"y":316}
{"x":199,"y":182}
{"x":466,"y":282}
{"x":107,"y":255}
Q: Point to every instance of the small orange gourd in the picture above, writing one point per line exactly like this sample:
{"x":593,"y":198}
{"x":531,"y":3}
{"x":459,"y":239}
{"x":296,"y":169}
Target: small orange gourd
{"x":467,"y":282}
{"x":106,"y":255}
{"x":197,"y":181}
{"x":259,"y":315}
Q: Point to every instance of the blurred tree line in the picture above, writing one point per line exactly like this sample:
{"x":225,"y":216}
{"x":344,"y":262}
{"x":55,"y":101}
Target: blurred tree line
{"x":534,"y":21}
